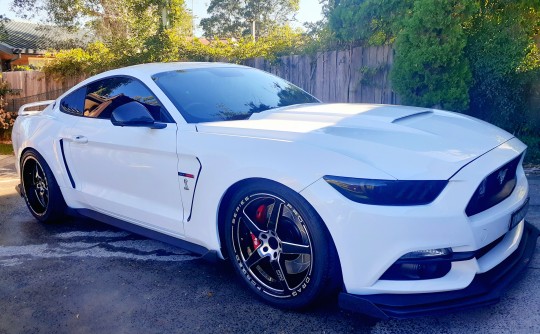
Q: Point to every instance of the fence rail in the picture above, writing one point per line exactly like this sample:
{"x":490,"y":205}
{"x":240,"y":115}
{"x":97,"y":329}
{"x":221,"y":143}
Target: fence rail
{"x":14,"y":104}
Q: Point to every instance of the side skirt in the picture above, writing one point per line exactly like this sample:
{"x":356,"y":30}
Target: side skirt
{"x":209,"y":255}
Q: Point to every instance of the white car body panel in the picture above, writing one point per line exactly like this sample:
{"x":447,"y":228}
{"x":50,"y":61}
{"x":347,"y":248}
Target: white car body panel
{"x":117,"y":169}
{"x":173,"y":180}
{"x":378,"y":135}
{"x":440,"y":224}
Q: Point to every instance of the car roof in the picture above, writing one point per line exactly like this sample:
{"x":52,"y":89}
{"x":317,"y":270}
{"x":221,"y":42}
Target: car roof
{"x":145,"y":71}
{"x":153,"y":68}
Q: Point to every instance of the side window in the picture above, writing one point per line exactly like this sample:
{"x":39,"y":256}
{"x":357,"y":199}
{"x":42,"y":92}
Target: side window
{"x":74,"y":103}
{"x":103,"y":96}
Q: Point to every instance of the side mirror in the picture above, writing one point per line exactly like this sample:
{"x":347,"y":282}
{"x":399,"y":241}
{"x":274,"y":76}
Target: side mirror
{"x":134,"y":114}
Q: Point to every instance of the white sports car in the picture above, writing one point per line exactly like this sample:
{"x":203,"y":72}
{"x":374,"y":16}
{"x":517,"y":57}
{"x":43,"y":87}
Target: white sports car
{"x":404,"y":211}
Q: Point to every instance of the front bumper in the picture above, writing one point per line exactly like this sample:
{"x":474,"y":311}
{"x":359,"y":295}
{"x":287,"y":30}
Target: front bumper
{"x":371,"y":238}
{"x":485,"y":289}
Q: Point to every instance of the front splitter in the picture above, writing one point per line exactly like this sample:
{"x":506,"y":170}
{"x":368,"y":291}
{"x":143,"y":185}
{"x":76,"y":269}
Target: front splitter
{"x":485,"y":289}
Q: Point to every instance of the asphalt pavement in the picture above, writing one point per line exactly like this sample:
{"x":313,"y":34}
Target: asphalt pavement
{"x":82,"y":276}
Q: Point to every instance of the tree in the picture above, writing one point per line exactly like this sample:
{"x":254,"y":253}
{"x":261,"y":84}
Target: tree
{"x":3,"y":31}
{"x":232,"y":18}
{"x":112,"y":19}
{"x":430,"y":67}
{"x":6,"y":118}
{"x":504,"y":60}
{"x":490,"y":49}
{"x":372,"y":22}
{"x":134,"y":31}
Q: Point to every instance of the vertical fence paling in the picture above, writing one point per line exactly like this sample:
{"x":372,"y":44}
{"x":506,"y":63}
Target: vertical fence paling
{"x":33,"y":86}
{"x":359,"y":74}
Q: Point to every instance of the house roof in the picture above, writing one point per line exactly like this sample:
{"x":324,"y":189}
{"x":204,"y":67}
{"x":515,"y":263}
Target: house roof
{"x":31,"y":38}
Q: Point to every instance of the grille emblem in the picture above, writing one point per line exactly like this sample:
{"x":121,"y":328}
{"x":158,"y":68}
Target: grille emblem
{"x":502,"y":175}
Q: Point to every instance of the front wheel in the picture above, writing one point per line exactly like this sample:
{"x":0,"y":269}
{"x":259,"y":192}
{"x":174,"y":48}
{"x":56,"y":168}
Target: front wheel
{"x":280,"y":247}
{"x":41,"y":192}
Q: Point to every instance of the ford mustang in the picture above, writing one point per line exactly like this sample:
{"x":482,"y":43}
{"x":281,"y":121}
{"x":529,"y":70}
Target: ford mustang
{"x":399,"y":211}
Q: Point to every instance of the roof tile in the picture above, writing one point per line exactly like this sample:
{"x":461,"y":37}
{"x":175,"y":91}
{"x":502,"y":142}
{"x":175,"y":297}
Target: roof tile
{"x":39,"y":37}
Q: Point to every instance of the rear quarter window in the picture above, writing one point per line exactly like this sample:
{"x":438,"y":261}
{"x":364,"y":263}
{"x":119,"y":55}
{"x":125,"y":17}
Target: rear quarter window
{"x":73,"y":103}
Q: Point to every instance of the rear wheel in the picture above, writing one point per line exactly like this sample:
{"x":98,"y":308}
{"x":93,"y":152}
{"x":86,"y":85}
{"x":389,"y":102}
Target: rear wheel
{"x":280,"y":247}
{"x":41,"y":191}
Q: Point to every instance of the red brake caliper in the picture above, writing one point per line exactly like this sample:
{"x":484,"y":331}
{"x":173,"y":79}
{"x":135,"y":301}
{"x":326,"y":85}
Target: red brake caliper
{"x":260,"y":217}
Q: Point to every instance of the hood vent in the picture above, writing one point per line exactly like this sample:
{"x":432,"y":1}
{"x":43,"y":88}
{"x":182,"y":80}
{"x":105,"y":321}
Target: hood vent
{"x":408,"y":117}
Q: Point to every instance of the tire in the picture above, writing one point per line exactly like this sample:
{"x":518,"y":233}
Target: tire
{"x":280,"y":247}
{"x":40,"y":189}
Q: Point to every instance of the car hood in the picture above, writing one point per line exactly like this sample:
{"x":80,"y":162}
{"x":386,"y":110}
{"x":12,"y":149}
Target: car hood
{"x":404,"y":142}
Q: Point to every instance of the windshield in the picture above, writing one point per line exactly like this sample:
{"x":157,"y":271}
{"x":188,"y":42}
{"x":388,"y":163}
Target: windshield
{"x":227,"y":93}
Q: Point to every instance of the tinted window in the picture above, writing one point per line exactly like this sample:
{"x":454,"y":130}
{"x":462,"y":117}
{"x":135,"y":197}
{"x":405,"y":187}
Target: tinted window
{"x":227,"y":93}
{"x":74,"y":102}
{"x":105,"y":95}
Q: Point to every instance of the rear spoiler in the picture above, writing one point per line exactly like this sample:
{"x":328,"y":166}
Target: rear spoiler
{"x":23,"y":109}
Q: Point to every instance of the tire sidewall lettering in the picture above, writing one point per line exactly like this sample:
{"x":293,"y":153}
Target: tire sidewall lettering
{"x":296,"y":291}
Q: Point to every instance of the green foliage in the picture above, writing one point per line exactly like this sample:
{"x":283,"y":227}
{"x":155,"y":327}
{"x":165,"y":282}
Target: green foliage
{"x":66,"y":13}
{"x":143,"y":31}
{"x":75,"y":62}
{"x":533,"y":149}
{"x":319,"y":37}
{"x":279,"y":41}
{"x":6,"y":118}
{"x":168,"y":46}
{"x":122,"y":22}
{"x":23,"y":68}
{"x":110,"y":17}
{"x":474,"y":56}
{"x":369,"y":73}
{"x":129,"y":32}
{"x":371,"y":22}
{"x":233,"y":18}
{"x":3,"y":31}
{"x":6,"y":149}
{"x":504,"y":60}
{"x":4,"y":88}
{"x":430,"y":67}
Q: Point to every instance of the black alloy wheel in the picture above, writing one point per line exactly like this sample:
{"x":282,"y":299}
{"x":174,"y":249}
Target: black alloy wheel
{"x":41,"y":192}
{"x":280,"y":247}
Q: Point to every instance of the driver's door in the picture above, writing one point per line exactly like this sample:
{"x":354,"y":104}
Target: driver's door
{"x":126,"y":172}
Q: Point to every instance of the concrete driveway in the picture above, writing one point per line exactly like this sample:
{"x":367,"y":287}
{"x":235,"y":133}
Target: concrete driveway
{"x":86,"y":277}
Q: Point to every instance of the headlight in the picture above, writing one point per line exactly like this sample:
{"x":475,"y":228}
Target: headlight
{"x":387,"y":192}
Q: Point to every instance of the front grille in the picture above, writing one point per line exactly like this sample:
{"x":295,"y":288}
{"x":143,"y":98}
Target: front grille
{"x":494,"y":188}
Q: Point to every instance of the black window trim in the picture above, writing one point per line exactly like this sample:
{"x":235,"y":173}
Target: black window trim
{"x":167,"y":113}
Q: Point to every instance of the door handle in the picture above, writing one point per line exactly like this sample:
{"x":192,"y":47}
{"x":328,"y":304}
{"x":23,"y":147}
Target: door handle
{"x":80,"y":139}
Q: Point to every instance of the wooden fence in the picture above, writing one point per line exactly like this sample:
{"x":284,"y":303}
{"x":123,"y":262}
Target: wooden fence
{"x":354,"y":75}
{"x":359,"y":74}
{"x":33,"y":86}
